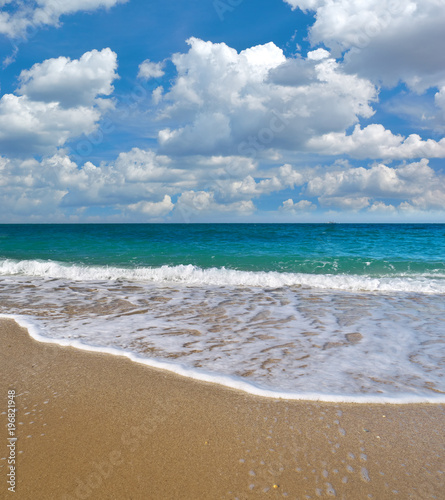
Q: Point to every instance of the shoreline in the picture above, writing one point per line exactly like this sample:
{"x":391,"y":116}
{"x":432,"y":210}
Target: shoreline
{"x":225,"y":381}
{"x":91,"y":425}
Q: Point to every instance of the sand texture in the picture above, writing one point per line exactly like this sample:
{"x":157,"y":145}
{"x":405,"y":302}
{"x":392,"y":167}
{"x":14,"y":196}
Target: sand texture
{"x":102,"y":427}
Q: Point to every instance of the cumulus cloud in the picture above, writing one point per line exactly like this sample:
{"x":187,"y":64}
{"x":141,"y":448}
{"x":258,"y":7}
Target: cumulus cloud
{"x":192,"y":203}
{"x":138,"y":184}
{"x":381,"y":207}
{"x":440,"y":100}
{"x":25,"y":15}
{"x":28,"y":190}
{"x":71,"y":82}
{"x":345,"y":203}
{"x":248,"y":103}
{"x":140,"y":165}
{"x":385,"y":41}
{"x":153,"y":209}
{"x":260,"y":104}
{"x":300,"y":206}
{"x":136,"y":178}
{"x":141,"y":185}
{"x":148,"y":70}
{"x":248,"y":187}
{"x":225,"y":167}
{"x":58,"y":100}
{"x":28,"y":127}
{"x":374,"y":141}
{"x":355,"y":188}
{"x":57,"y":185}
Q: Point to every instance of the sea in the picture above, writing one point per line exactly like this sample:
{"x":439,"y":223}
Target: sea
{"x":329,"y":312}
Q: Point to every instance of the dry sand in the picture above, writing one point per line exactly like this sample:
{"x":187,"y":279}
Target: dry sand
{"x":101,"y":427}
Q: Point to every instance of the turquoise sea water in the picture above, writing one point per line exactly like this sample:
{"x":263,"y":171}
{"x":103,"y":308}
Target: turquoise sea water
{"x":363,"y":249}
{"x":333,"y":310}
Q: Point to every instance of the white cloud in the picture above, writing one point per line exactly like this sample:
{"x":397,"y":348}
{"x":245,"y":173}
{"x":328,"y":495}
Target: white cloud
{"x":300,"y":206}
{"x":148,"y":70}
{"x":247,"y":187}
{"x":354,"y":188}
{"x":140,"y":165}
{"x":136,"y":178}
{"x":57,"y":185}
{"x":27,"y":191}
{"x":225,"y":167}
{"x":208,"y":134}
{"x":28,"y":127}
{"x":440,"y":100}
{"x":374,"y":141}
{"x":140,"y":185}
{"x":386,"y":41}
{"x":318,"y":55}
{"x":71,"y":83}
{"x":27,"y":15}
{"x":58,"y":101}
{"x":353,"y":203}
{"x":192,"y":203}
{"x":351,"y":23}
{"x":153,"y":209}
{"x":248,"y":103}
{"x":290,"y":177}
{"x":381,"y":207}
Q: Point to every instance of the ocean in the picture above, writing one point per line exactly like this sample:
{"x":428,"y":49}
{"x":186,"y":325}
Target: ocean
{"x":332,"y":312}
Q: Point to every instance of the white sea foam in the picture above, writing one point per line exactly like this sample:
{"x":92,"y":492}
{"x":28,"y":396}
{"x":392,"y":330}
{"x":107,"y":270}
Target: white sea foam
{"x":328,"y":345}
{"x":192,"y":275}
{"x":224,"y":380}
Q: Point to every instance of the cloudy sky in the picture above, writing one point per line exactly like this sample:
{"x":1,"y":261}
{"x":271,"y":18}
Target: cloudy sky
{"x":222,"y":110}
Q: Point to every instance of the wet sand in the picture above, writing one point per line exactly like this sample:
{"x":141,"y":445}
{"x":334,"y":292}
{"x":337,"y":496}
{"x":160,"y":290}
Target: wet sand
{"x":102,"y":427}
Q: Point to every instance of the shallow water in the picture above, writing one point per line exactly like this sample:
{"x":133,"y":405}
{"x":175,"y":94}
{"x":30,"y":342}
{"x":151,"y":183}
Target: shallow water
{"x":332,"y":335}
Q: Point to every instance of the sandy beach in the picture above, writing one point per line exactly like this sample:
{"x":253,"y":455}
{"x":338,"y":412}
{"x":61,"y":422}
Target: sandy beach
{"x":97,"y":426}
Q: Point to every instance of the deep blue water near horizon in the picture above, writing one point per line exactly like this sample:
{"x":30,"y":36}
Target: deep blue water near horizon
{"x":371,"y":249}
{"x":351,"y":312}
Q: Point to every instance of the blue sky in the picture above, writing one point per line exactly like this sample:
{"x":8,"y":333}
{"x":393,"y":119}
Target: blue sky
{"x":224,"y":110}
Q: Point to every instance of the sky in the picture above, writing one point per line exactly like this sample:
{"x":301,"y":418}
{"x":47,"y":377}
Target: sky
{"x":222,"y":111}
